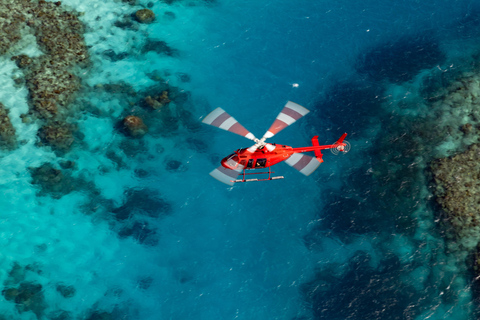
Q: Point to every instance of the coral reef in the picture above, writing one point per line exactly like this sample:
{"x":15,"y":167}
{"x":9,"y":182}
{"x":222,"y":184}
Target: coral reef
{"x":27,"y":297}
{"x":145,"y":16}
{"x":332,"y":296}
{"x":457,"y":190}
{"x":158,"y":101}
{"x":56,"y":134}
{"x":455,"y":172}
{"x":138,"y":212}
{"x":7,"y":131}
{"x":100,"y":315}
{"x":433,"y":116}
{"x":134,"y":126}
{"x":160,"y":47}
{"x":50,"y":78}
{"x":51,"y":180}
{"x":142,"y":202}
{"x":174,"y":165}
{"x":140,"y":231}
{"x":401,"y":60}
{"x":66,"y":291}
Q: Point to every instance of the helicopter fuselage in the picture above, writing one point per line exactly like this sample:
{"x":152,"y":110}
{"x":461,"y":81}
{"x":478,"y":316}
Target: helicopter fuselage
{"x":261,"y":158}
{"x":263,"y":154}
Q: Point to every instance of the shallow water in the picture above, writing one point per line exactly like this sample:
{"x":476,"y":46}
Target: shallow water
{"x":145,"y":233}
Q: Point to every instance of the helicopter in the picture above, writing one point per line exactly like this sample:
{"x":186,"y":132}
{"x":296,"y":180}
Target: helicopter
{"x":264,"y":155}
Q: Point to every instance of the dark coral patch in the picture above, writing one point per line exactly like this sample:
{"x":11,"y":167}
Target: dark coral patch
{"x":140,"y":231}
{"x":160,"y":47}
{"x":57,"y":135}
{"x":351,"y":105}
{"x":51,"y":180}
{"x":400,"y":60}
{"x":7,"y":131}
{"x":382,"y":294}
{"x":143,"y":202}
{"x":28,"y":296}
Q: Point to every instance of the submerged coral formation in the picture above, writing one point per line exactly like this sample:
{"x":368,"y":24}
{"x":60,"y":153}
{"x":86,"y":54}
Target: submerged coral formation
{"x":27,"y":296}
{"x":56,"y":134}
{"x":7,"y":131}
{"x":134,"y":126}
{"x":50,"y":77}
{"x":51,"y":180}
{"x":156,"y":102}
{"x":457,"y":188}
{"x":456,"y":170}
{"x":145,"y":16}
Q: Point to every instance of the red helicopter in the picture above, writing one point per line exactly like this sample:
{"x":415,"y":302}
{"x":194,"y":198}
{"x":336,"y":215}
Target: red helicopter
{"x":264,"y":155}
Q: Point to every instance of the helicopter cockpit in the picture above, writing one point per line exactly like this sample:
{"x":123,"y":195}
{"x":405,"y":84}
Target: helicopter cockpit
{"x":231,"y":162}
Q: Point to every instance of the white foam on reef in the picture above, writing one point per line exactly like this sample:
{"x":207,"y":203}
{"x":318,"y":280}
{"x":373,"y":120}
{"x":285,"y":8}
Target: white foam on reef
{"x":102,"y":35}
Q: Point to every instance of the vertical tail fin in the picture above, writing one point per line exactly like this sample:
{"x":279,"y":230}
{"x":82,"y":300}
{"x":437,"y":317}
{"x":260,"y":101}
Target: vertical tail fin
{"x":341,"y":138}
{"x":318,"y":153}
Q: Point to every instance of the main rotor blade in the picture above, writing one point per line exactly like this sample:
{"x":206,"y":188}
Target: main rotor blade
{"x":270,"y":147}
{"x":303,"y":163}
{"x":290,"y":113}
{"x":225,"y":175}
{"x":220,"y":119}
{"x":253,"y":148}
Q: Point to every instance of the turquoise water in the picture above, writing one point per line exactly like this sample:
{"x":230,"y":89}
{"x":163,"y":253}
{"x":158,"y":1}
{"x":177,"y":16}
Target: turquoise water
{"x":143,"y":232}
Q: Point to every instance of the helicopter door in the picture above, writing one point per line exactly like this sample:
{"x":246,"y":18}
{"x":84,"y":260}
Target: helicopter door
{"x":250,"y":163}
{"x":260,"y":163}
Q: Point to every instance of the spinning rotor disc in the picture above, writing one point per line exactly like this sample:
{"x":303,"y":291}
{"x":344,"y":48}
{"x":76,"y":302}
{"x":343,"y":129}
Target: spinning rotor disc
{"x":290,"y":113}
{"x":340,"y":148}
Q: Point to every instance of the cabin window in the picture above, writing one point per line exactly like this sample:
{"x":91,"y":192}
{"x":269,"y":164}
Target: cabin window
{"x":261,"y":163}
{"x":250,"y":163}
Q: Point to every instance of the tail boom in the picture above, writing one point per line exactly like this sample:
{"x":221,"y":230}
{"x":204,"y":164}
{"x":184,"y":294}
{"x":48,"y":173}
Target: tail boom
{"x":317,"y":148}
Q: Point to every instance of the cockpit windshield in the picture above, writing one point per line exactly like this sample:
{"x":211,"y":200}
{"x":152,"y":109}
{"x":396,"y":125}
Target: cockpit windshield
{"x":231,"y":161}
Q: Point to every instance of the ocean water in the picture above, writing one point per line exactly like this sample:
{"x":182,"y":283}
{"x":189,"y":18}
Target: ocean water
{"x":139,"y":230}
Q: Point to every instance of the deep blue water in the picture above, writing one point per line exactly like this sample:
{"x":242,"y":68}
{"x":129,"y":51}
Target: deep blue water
{"x":146,"y":233}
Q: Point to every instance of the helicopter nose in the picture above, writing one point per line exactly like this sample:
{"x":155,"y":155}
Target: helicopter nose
{"x":230,"y":162}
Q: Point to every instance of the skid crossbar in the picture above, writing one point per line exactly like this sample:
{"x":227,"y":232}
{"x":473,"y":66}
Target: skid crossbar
{"x":263,"y":179}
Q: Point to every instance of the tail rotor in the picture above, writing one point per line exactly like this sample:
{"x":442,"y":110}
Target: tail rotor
{"x":341,"y":147}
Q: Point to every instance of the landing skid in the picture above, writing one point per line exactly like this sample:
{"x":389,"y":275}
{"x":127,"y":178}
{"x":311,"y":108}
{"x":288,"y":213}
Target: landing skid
{"x":253,"y":179}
